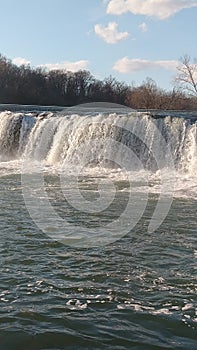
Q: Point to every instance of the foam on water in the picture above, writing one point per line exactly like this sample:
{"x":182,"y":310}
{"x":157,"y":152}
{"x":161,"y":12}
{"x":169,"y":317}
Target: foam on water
{"x":114,"y":144}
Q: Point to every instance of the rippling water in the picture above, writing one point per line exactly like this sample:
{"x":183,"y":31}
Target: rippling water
{"x":136,"y":293}
{"x":98,"y":230}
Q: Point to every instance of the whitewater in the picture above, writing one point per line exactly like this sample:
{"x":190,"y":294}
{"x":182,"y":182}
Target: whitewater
{"x":98,"y":228}
{"x":115,"y":143}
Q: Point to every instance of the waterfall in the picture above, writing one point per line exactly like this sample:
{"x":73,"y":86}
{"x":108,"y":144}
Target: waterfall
{"x":135,"y":139}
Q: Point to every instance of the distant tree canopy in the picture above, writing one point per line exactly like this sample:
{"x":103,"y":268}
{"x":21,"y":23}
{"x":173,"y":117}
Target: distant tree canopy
{"x":26,"y":85}
{"x":36,"y":86}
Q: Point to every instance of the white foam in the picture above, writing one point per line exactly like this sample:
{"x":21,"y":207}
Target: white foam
{"x":119,"y":146}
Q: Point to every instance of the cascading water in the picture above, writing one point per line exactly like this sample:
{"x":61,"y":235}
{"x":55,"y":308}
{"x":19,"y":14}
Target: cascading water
{"x":14,"y":132}
{"x":98,"y":230}
{"x":88,"y":139}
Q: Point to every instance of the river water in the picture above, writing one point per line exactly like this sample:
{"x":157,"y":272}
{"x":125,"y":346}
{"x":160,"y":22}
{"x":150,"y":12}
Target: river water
{"x":98,"y":230}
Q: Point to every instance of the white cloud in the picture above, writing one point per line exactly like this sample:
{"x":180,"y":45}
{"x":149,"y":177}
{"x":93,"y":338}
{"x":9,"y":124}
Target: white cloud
{"x":110,"y":33}
{"x":126,"y":65}
{"x":20,"y":61}
{"x":67,"y":65}
{"x":143,"y":27}
{"x":161,"y":9}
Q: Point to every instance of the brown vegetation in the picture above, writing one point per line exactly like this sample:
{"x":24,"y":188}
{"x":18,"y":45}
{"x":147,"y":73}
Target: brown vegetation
{"x":27,"y":85}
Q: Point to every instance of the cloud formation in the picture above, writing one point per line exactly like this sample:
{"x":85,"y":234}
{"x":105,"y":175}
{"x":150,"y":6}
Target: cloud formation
{"x":161,"y":9}
{"x":143,"y":27}
{"x":67,"y":65}
{"x":20,"y":61}
{"x":110,"y":33}
{"x":126,"y":65}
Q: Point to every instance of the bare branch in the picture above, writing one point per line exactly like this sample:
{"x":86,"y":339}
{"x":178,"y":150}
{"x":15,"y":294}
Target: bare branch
{"x":186,"y":77}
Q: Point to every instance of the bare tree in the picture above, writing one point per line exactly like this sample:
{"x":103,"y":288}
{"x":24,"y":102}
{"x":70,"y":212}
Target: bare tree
{"x":146,"y":96}
{"x":186,"y":78}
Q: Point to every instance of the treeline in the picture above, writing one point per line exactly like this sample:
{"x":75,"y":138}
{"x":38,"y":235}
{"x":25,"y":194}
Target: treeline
{"x":27,"y":85}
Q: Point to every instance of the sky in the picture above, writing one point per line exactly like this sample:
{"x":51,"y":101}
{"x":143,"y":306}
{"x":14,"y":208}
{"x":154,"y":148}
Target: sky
{"x":128,"y":39}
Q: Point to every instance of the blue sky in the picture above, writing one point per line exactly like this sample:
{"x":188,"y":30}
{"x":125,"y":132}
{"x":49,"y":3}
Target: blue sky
{"x":128,"y":39}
